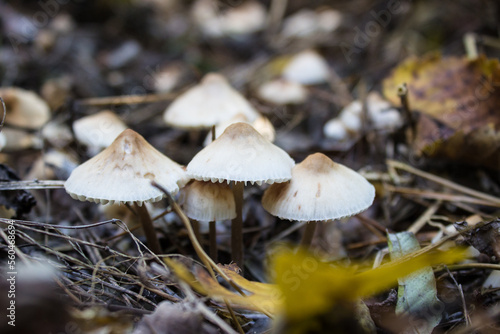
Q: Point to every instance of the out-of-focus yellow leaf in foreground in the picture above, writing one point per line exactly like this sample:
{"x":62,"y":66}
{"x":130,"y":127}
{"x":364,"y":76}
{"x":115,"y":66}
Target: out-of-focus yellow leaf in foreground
{"x":306,"y":286}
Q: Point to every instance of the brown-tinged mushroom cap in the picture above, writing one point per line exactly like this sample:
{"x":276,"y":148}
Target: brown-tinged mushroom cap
{"x":207,"y":201}
{"x":209,"y":103}
{"x":319,"y":190}
{"x":99,"y":130}
{"x":241,"y":154}
{"x":123,"y":172}
{"x":24,"y":108}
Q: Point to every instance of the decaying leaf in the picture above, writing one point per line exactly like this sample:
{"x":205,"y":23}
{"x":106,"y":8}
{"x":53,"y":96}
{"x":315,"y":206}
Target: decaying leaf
{"x":485,"y":237}
{"x":417,"y":294}
{"x":457,"y":105}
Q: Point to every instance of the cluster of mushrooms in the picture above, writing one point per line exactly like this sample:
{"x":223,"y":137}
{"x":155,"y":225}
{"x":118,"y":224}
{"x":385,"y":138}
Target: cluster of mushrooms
{"x":212,"y":184}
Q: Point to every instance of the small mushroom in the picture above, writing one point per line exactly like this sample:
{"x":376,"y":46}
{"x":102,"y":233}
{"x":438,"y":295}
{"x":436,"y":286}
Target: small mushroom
{"x":25,"y":109}
{"x":207,"y":201}
{"x":320,"y":190}
{"x":244,"y":19}
{"x":307,"y":68}
{"x":122,"y":173}
{"x":240,"y":155}
{"x":99,"y":130}
{"x":210,"y":102}
{"x":262,"y":124}
{"x":282,"y":92}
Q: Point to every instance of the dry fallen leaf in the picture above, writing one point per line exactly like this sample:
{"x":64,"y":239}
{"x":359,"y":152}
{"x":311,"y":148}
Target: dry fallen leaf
{"x":457,"y":103}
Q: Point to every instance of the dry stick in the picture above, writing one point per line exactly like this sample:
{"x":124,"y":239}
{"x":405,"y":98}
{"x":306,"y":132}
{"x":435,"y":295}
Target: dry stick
{"x":4,"y":114}
{"x":36,"y":184}
{"x":276,"y":13}
{"x":237,"y":226}
{"x":424,"y":218}
{"x":126,"y":99}
{"x":308,"y":235}
{"x":403,"y":95}
{"x":464,"y":303}
{"x":439,"y":196}
{"x":286,"y":232}
{"x":212,"y":231}
{"x":444,"y":182}
{"x":147,"y":226}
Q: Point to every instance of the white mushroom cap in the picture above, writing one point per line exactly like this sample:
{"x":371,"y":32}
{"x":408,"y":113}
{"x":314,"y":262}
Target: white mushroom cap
{"x":3,"y":141}
{"x":307,"y":22}
{"x":262,"y":124}
{"x":123,"y":172}
{"x":99,"y":130}
{"x":282,"y":92}
{"x":351,"y":121}
{"x":57,"y":133}
{"x":243,"y":19}
{"x":241,"y":154}
{"x":211,"y":102}
{"x":335,"y":129}
{"x":207,"y":201}
{"x":307,"y":68}
{"x":319,"y":190}
{"x":18,"y":140}
{"x":24,"y":108}
{"x":221,"y":127}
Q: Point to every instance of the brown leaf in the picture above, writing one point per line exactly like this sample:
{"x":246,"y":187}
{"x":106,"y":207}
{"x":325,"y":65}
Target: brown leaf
{"x":458,"y":105}
{"x":485,"y":238}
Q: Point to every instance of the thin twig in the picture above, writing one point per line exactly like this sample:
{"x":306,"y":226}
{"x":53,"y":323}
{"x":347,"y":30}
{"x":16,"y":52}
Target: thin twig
{"x":4,"y":114}
{"x":126,"y":99}
{"x":35,"y":184}
{"x":444,"y":182}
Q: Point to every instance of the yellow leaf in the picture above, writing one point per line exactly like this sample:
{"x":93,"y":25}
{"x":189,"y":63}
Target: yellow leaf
{"x":265,"y":300}
{"x":310,"y":286}
{"x":306,"y":286}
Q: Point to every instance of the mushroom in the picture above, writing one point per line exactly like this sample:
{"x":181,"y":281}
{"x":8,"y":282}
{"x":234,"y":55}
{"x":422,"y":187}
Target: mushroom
{"x":307,"y":68}
{"x":320,"y":190}
{"x":282,"y":92}
{"x":348,"y":124}
{"x":210,"y":102}
{"x":307,"y":23}
{"x":25,"y":108}
{"x":18,"y":140}
{"x":122,"y":173}
{"x":240,"y":155}
{"x":207,"y":201}
{"x":243,"y":19}
{"x":99,"y":130}
{"x":262,"y":124}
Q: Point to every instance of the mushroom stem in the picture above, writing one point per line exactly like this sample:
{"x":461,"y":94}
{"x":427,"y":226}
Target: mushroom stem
{"x":213,"y":240}
{"x":147,"y":226}
{"x":237,"y":226}
{"x":196,"y":229}
{"x":308,"y":235}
